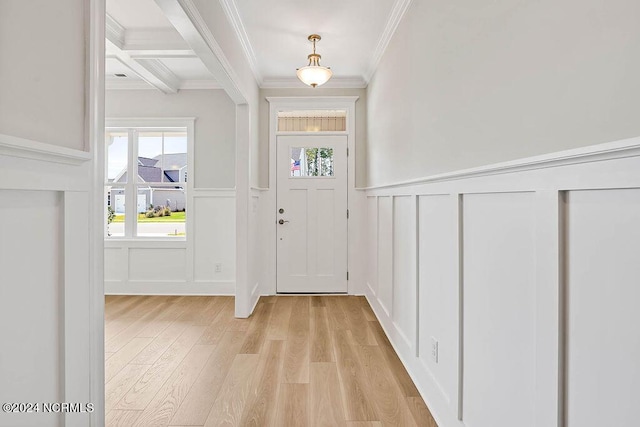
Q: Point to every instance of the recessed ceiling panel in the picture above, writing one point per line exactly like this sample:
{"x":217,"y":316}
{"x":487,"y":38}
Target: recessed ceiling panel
{"x":188,"y":68}
{"x":137,"y":14}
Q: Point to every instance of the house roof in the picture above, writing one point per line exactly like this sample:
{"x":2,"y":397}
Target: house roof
{"x":146,"y":161}
{"x":171,"y":161}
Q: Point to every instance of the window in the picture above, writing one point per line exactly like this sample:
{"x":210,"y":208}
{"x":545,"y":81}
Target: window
{"x":312,"y":121}
{"x":311,"y":162}
{"x":146,"y":182}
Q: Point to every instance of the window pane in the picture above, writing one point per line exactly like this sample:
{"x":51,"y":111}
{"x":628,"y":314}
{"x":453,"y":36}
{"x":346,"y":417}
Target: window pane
{"x":307,"y":162}
{"x":161,"y":211}
{"x":162,"y":156}
{"x":117,"y":143}
{"x":150,"y":157}
{"x":115,"y":201}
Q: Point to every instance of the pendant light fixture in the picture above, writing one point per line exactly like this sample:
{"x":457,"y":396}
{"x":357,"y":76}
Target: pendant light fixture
{"x":314,"y":74}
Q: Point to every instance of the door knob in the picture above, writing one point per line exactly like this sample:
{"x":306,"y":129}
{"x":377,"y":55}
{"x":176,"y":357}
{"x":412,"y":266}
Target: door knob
{"x":282,"y":221}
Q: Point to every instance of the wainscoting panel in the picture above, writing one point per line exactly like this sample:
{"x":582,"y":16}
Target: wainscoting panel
{"x":499,"y":308}
{"x":602,"y":294}
{"x":214,"y":238}
{"x":526,"y":287}
{"x":385,"y":254}
{"x":31,"y":300}
{"x":405,"y":297}
{"x":372,"y":243}
{"x":437,"y":301}
{"x":203,"y":264}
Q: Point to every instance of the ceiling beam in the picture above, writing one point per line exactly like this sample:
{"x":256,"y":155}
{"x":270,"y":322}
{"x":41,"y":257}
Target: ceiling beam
{"x":151,"y":70}
{"x":186,"y":19}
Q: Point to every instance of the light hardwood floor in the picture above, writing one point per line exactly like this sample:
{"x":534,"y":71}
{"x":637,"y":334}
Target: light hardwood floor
{"x":298,"y":361}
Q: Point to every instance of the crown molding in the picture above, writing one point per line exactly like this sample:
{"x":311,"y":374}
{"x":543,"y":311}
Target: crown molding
{"x":397,"y":12}
{"x":295,"y":83}
{"x":233,"y":16}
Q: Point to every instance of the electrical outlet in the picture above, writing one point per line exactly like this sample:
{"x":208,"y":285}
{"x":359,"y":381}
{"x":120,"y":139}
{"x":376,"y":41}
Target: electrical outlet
{"x":218,"y":268}
{"x":434,"y":349}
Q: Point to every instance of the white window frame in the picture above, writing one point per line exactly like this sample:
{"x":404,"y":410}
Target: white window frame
{"x":132,"y":126}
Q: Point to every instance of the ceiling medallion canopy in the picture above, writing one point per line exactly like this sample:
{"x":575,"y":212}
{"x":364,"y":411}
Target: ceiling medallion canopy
{"x":314,"y":74}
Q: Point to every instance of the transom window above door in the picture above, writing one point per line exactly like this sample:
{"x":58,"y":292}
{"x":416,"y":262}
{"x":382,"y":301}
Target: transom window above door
{"x":312,"y":121}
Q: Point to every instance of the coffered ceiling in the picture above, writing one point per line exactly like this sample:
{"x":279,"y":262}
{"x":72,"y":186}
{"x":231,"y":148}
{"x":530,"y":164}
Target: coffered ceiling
{"x":144,"y":46}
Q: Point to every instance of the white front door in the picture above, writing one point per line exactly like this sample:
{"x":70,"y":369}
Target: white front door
{"x":312,"y":213}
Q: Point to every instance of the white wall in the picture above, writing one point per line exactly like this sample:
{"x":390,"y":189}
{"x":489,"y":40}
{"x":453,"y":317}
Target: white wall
{"x":473,"y":83}
{"x":184,"y":267}
{"x":51,"y":298}
{"x":526,"y":279}
{"x":40,"y":98}
{"x":215,"y":149}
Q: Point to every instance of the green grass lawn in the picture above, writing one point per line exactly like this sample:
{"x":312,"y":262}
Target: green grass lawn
{"x":175,"y":217}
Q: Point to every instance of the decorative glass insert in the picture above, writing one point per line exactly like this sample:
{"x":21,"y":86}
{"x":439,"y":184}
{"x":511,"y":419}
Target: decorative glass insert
{"x":311,"y":162}
{"x":312,"y":121}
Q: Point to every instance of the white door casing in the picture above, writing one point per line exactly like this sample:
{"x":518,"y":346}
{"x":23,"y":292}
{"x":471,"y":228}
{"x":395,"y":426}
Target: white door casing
{"x":311,"y":224}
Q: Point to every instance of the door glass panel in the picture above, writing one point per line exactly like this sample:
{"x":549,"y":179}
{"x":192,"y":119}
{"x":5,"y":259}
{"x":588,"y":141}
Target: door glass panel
{"x":311,"y":162}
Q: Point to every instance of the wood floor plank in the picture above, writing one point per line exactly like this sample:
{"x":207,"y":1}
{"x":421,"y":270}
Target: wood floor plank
{"x":146,"y":388}
{"x":203,"y":393}
{"x":232,"y":397}
{"x":261,"y":406}
{"x":168,"y":399}
{"x":326,"y":398}
{"x":210,"y":311}
{"x":118,"y":341}
{"x":390,"y":405}
{"x":121,"y":358}
{"x":321,"y":347}
{"x":396,"y":367}
{"x":337,"y":317}
{"x":369,"y":315}
{"x":317,"y":301}
{"x":293,"y":405}
{"x":296,"y":358}
{"x":121,"y":383}
{"x":352,"y":306}
{"x":257,"y":330}
{"x":150,"y":354}
{"x":119,"y":418}
{"x":364,"y":424}
{"x":357,"y":402}
{"x":420,"y":412}
{"x":278,"y":328}
{"x":220,"y":323}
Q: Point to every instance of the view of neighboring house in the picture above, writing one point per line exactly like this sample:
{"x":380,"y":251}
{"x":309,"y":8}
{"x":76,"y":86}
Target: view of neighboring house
{"x":163,"y":168}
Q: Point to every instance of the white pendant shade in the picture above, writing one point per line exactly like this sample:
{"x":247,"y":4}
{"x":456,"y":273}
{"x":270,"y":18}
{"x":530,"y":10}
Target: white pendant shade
{"x":314,"y":75}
